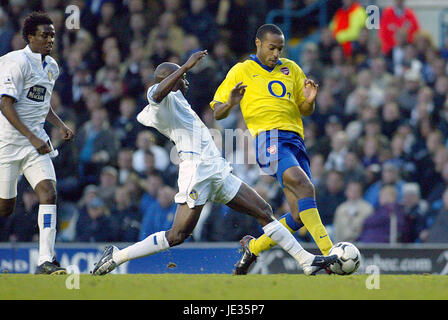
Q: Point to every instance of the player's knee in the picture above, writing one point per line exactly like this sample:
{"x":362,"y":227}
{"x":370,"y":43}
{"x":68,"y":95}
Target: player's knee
{"x":48,"y":196}
{"x":6,"y":208}
{"x":299,"y":186}
{"x":175,"y":238}
{"x":266,"y":214}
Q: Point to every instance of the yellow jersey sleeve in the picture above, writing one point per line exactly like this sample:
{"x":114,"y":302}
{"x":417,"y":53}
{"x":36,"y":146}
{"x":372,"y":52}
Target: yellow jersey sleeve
{"x":300,"y":80}
{"x":223,"y":91}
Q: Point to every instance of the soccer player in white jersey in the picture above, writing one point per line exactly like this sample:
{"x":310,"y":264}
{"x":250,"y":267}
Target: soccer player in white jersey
{"x":27,"y":78}
{"x":203,"y":175}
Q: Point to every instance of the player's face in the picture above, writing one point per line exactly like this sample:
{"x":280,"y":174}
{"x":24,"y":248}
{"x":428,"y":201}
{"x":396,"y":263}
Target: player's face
{"x":183,"y":84}
{"x":43,"y":40}
{"x":269,"y":49}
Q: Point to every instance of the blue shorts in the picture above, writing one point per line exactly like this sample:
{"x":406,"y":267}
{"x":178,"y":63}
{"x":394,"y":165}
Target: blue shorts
{"x":278,"y":150}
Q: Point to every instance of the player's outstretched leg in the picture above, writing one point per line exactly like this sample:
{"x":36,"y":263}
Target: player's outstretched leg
{"x":248,"y":201}
{"x":184,"y":222}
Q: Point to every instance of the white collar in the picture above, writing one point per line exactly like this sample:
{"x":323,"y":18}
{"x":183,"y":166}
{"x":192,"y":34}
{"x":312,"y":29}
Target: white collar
{"x":34,"y":55}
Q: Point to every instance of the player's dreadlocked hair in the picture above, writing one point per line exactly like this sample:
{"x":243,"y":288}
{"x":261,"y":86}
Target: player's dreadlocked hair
{"x":31,"y":22}
{"x":268,"y":28}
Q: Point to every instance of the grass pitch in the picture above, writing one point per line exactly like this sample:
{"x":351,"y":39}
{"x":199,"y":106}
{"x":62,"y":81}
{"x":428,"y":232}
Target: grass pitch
{"x":221,"y":287}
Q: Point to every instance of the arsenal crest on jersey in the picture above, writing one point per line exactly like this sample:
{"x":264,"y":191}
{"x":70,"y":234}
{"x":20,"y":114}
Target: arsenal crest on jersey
{"x":272,"y":149}
{"x":285,"y":70}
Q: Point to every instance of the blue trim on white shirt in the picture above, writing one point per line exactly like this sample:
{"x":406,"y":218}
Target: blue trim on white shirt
{"x":182,"y":151}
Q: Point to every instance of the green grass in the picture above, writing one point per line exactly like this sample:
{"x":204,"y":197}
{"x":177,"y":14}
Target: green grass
{"x":223,"y":287}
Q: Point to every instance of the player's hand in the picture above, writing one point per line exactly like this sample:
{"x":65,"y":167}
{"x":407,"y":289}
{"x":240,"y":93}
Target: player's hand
{"x":41,"y":146}
{"x":237,"y":94}
{"x":310,"y":90}
{"x":67,"y":133}
{"x":194,"y":58}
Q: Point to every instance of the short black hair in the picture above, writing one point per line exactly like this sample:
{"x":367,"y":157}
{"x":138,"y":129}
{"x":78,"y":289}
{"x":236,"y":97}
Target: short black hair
{"x":31,"y":22}
{"x":268,"y":28}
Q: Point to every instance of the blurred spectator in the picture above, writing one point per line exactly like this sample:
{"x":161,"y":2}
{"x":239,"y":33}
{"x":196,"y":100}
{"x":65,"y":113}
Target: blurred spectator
{"x":436,"y":232}
{"x":394,"y":18}
{"x":350,"y":215}
{"x":330,"y":196}
{"x":224,"y":59}
{"x":146,"y":142}
{"x":326,"y":44}
{"x":415,"y":209}
{"x":167,"y":27}
{"x":126,"y":126}
{"x":22,"y":226}
{"x":94,"y":223}
{"x":96,"y":144}
{"x":347,"y":23}
{"x":200,"y":87}
{"x":317,"y":167}
{"x":436,"y":192}
{"x":239,"y":19}
{"x":310,"y":63}
{"x":6,"y":33}
{"x":388,"y":224}
{"x":151,"y":185}
{"x":126,"y":217}
{"x":332,"y":125}
{"x":391,"y":118}
{"x":108,"y":185}
{"x":132,"y":68}
{"x":159,"y":215}
{"x":160,"y":51}
{"x":390,"y":175}
{"x":66,"y":164}
{"x":200,"y":22}
{"x":353,"y":168}
{"x":339,"y":149}
{"x":124,"y":163}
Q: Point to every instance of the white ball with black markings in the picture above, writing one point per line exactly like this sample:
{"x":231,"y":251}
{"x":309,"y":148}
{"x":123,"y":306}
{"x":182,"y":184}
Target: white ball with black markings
{"x":349,"y":258}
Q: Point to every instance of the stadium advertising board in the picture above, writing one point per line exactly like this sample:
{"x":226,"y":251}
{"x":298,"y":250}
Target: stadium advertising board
{"x":220,"y":258}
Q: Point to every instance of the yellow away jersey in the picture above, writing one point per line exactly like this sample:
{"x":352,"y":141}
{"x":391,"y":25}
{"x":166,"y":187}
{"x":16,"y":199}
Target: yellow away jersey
{"x":272,"y":98}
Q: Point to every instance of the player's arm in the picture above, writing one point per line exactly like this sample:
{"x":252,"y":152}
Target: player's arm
{"x":310,"y":90}
{"x":10,"y":113}
{"x":167,"y":84}
{"x":54,"y":119}
{"x":222,"y":110}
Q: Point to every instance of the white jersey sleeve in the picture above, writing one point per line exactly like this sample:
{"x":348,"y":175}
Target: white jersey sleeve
{"x":12,"y":79}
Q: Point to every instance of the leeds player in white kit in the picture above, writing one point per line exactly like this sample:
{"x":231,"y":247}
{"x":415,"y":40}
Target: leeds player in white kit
{"x":203,"y":176}
{"x":27,"y":78}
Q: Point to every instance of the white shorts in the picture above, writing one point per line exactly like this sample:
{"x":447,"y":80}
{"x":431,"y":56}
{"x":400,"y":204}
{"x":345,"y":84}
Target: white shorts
{"x":200,"y":181}
{"x":16,"y":160}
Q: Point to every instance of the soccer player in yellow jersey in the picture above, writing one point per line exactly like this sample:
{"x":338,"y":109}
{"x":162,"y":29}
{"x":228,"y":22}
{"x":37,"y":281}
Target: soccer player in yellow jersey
{"x":273,"y":94}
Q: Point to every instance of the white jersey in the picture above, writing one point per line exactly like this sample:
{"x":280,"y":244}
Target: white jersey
{"x":174,"y":118}
{"x":30,"y":81}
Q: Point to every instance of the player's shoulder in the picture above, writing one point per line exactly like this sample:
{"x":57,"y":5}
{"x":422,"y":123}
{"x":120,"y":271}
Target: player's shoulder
{"x":17,"y":57}
{"x":237,"y":67}
{"x":291,"y":64}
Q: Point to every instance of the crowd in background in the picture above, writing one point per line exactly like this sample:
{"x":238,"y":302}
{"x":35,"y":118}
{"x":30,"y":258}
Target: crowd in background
{"x":376,"y":142}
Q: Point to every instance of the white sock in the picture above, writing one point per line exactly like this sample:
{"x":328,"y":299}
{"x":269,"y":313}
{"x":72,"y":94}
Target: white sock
{"x":277,"y":232}
{"x":152,"y":244}
{"x":46,"y":220}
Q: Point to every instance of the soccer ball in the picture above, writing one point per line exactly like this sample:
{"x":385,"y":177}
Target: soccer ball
{"x":349,"y":258}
